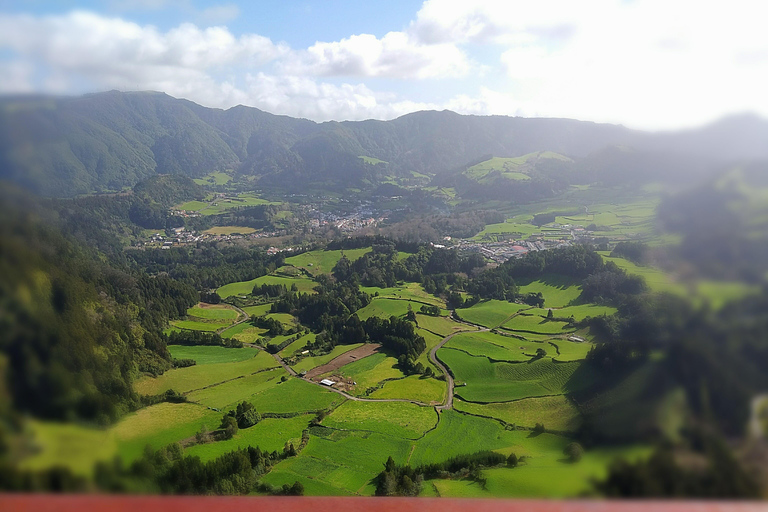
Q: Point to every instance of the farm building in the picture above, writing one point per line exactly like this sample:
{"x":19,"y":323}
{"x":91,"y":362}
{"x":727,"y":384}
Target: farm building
{"x":326,"y":382}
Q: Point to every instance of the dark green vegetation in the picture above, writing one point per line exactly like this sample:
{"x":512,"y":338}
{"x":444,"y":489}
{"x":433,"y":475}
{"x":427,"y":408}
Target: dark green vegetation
{"x":563,"y":359}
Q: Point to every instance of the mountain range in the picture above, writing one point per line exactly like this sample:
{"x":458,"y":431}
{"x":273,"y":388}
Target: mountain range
{"x":65,"y":146}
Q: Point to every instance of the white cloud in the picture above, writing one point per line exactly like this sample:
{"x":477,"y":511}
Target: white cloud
{"x":396,"y":55}
{"x":110,"y":50}
{"x":217,"y":14}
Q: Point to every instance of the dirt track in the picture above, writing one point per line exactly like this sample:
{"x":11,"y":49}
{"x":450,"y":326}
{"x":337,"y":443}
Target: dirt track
{"x":346,"y":358}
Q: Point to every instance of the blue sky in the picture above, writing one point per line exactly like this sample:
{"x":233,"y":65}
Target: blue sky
{"x":650,"y":64}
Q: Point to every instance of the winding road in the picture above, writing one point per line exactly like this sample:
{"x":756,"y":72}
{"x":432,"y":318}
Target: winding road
{"x":448,"y":377}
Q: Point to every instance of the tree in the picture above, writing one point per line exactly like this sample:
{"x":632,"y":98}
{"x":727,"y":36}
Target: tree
{"x":540,"y":352}
{"x":550,"y":315}
{"x":573,"y":451}
{"x":512,"y":460}
{"x":229,"y":425}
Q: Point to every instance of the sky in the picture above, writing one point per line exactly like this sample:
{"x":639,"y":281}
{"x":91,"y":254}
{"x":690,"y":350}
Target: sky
{"x":646,"y":64}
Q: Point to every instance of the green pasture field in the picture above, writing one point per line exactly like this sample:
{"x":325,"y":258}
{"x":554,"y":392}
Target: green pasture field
{"x":228,"y":394}
{"x":270,"y":434}
{"x":385,"y":308}
{"x":398,"y":419}
{"x":413,"y":388}
{"x":214,"y":178}
{"x":519,"y":227}
{"x":432,"y":340}
{"x":494,"y":346}
{"x":209,"y":355}
{"x":193,"y":325}
{"x":558,"y":291}
{"x":322,"y":262}
{"x":582,"y":311}
{"x":196,"y":377}
{"x":372,"y":160}
{"x":308,"y":363}
{"x":459,"y":434}
{"x":535,"y":478}
{"x":340,"y":462}
{"x":235,"y":330}
{"x":160,"y":425}
{"x":410,"y":291}
{"x":370,"y":371}
{"x":191,"y":206}
{"x":298,"y":345}
{"x":554,"y":412}
{"x":213,"y":312}
{"x":285,"y":318}
{"x":501,"y":382}
{"x":295,"y":395}
{"x":67,"y":444}
{"x":246,"y":287}
{"x":240,"y":201}
{"x":534,"y":320}
{"x":569,"y":350}
{"x":250,"y":334}
{"x":440,"y":325}
{"x":261,"y":309}
{"x":490,"y":313}
{"x":229,"y":230}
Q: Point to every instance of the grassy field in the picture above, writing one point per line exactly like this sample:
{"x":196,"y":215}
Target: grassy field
{"x":269,"y":434}
{"x":432,"y":340}
{"x":308,"y":363}
{"x":229,"y":393}
{"x":161,"y":424}
{"x":440,"y":325}
{"x":298,"y":345}
{"x":500,"y":382}
{"x":554,"y":412}
{"x":398,"y":419}
{"x":214,"y":178}
{"x":196,"y":377}
{"x":534,"y":320}
{"x":339,"y":463}
{"x":558,"y":291}
{"x":246,"y":287}
{"x":494,"y":346}
{"x":413,"y":388}
{"x":322,"y":262}
{"x":210,"y":355}
{"x":490,"y":313}
{"x":582,"y":311}
{"x":66,"y":444}
{"x":387,"y":307}
{"x":193,"y":325}
{"x":218,"y":312}
{"x":261,"y":309}
{"x":370,"y":371}
{"x":229,"y":230}
{"x":410,"y":291}
{"x":568,"y":350}
{"x":192,"y":206}
{"x":295,"y":395}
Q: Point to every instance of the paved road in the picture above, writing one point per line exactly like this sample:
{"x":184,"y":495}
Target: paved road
{"x":448,"y":378}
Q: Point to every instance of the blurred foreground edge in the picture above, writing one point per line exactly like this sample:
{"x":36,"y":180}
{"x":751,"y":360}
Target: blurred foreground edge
{"x":86,"y":503}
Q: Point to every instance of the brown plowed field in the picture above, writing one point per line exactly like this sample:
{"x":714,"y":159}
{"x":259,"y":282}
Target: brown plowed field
{"x":346,"y":358}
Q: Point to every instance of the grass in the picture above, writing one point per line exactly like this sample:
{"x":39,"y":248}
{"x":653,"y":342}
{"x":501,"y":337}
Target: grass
{"x":196,"y":377}
{"x":398,"y":419}
{"x":370,"y":371}
{"x":322,"y":262}
{"x":194,"y":325}
{"x":339,"y":463}
{"x":568,"y":350}
{"x":535,"y":320}
{"x":246,"y":287}
{"x":295,"y":395}
{"x":494,"y":346}
{"x":371,"y":160}
{"x":229,"y":230}
{"x":214,"y":312}
{"x":192,"y":206}
{"x":308,"y":363}
{"x":385,"y":308}
{"x":214,"y":178}
{"x":582,"y":311}
{"x":490,"y":313}
{"x":558,"y":291}
{"x":261,"y":309}
{"x":211,"y":355}
{"x":161,"y":424}
{"x":298,"y":345}
{"x":410,"y":291}
{"x":440,"y":325}
{"x":413,"y":388}
{"x":270,"y":434}
{"x":501,"y":382}
{"x":554,"y":412}
{"x":432,"y":340}
{"x":66,"y":444}
{"x":227,"y":394}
